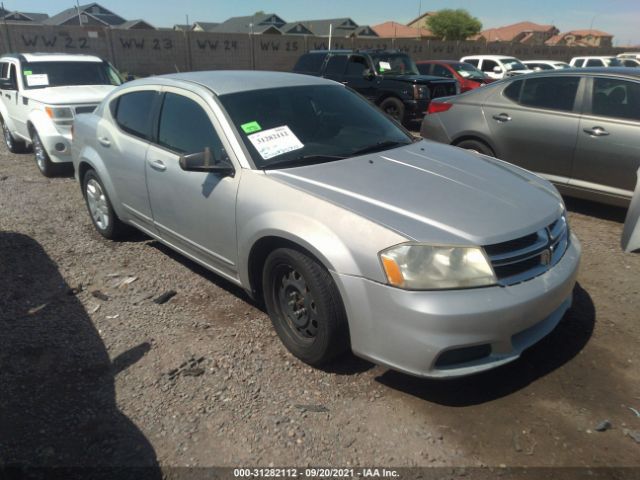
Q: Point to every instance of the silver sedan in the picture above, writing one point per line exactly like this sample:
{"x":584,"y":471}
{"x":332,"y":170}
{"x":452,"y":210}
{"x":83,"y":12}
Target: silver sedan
{"x":422,"y":257}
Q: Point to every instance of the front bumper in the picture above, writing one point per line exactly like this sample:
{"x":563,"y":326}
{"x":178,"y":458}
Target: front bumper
{"x":410,"y":331}
{"x":57,"y":144}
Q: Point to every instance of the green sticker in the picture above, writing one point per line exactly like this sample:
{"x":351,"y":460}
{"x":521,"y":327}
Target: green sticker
{"x":27,"y":72}
{"x":251,"y":127}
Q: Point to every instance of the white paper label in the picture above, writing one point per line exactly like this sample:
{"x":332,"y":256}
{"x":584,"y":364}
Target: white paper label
{"x":275,"y":141}
{"x":464,"y":73}
{"x":385,"y":66}
{"x":37,"y":80}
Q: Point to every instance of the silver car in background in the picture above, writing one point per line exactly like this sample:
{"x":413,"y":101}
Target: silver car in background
{"x":422,"y":257}
{"x":579,"y":128}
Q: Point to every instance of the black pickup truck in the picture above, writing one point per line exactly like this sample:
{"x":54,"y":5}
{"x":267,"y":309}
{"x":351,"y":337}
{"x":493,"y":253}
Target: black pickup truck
{"x":390,"y":79}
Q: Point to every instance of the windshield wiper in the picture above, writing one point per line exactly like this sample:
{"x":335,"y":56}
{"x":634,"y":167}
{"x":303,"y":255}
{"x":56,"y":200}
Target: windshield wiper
{"x":378,"y":147}
{"x":304,"y":160}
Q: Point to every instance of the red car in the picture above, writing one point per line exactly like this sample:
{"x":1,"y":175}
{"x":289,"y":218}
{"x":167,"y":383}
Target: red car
{"x":466,"y":74}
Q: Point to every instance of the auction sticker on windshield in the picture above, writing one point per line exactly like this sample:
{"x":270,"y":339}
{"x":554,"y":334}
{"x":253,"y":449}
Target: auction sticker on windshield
{"x":275,"y":141}
{"x":37,"y":80}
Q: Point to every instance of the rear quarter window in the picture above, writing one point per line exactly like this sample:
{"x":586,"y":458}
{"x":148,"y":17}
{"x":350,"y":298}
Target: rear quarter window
{"x":132,"y":112}
{"x":310,"y":63}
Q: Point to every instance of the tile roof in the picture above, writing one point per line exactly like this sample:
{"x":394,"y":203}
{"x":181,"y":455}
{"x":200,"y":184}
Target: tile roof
{"x":509,"y":32}
{"x":107,"y":18}
{"x":398,"y":30}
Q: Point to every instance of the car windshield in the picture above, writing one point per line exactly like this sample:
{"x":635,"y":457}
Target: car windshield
{"x":394,"y":64}
{"x":513,"y":64}
{"x":60,"y":74}
{"x":613,"y":62}
{"x":467,"y":70}
{"x":295,"y":126}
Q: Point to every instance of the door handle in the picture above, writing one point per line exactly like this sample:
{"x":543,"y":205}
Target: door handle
{"x":596,"y":132}
{"x":104,"y":141}
{"x":503,"y":117}
{"x":158,"y":165}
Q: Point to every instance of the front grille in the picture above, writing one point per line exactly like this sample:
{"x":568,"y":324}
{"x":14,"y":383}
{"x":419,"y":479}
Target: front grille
{"x":86,"y":109}
{"x":527,"y":257}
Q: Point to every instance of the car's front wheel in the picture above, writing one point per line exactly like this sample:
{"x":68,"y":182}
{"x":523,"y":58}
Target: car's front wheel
{"x":305,"y":306}
{"x":102,"y":214}
{"x":13,"y":145}
{"x":44,"y":163}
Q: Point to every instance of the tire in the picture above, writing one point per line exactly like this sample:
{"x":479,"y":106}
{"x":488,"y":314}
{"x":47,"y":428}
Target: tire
{"x":305,"y":307}
{"x":102,"y":215}
{"x":393,"y":107}
{"x":43,"y":162}
{"x":477,"y":146}
{"x":13,"y":145}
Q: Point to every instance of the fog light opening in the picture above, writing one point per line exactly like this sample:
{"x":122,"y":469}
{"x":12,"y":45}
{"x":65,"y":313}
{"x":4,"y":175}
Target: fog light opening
{"x":452,"y":358}
{"x":60,"y":147}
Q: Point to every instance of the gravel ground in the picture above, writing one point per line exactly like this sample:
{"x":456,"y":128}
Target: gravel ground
{"x":93,"y":372}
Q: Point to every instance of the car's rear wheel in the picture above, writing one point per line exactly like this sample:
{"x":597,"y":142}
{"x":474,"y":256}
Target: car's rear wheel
{"x":102,"y":214}
{"x":13,"y":145}
{"x":393,"y":107}
{"x":44,"y":163}
{"x":476,"y":146}
{"x":305,"y":306}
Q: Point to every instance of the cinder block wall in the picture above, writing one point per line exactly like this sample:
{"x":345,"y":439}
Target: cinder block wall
{"x":148,"y":52}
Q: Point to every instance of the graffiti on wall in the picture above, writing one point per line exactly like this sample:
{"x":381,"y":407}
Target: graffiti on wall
{"x":54,"y":41}
{"x":132,"y":43}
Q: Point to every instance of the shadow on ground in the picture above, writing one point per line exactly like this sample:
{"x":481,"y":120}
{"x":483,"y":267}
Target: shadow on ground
{"x":57,"y":395}
{"x":559,"y":347}
{"x":598,"y":210}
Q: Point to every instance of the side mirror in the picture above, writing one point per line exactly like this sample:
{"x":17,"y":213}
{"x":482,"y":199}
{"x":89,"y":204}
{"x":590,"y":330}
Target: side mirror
{"x":204,"y":162}
{"x":368,"y":74}
{"x":7,"y":84}
{"x":497,"y":69}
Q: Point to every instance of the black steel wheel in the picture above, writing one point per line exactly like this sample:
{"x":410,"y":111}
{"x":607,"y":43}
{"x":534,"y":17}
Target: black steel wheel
{"x":305,"y":306}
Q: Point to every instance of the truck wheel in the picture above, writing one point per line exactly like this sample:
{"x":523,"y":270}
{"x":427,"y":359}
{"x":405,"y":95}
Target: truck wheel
{"x":44,"y":163}
{"x":393,"y":107}
{"x":13,"y":145}
{"x":102,"y":215}
{"x":476,"y":146}
{"x":305,"y":306}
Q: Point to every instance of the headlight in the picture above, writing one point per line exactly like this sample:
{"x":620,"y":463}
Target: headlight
{"x":427,"y":267}
{"x":63,"y":115}
{"x":420,"y":92}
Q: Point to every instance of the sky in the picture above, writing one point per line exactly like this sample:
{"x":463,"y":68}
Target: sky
{"x":618,"y":17}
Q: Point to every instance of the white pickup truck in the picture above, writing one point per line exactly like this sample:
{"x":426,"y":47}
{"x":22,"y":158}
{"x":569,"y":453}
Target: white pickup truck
{"x":41,"y":94}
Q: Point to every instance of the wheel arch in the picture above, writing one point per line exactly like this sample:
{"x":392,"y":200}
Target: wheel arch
{"x":478,"y":137}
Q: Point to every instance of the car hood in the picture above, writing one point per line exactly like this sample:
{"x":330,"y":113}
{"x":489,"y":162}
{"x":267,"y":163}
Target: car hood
{"x":434,"y":193}
{"x":70,"y":95}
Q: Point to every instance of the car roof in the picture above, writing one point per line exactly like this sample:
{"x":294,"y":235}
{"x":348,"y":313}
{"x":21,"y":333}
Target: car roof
{"x":52,"y":57}
{"x":542,"y":61}
{"x":489,"y":56}
{"x":594,"y":56}
{"x":223,"y":82}
{"x":590,"y":71}
{"x":446,"y":62}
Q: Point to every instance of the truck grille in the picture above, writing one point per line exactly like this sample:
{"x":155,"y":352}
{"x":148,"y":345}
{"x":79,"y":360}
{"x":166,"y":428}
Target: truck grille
{"x":86,"y":109}
{"x":524,"y":258}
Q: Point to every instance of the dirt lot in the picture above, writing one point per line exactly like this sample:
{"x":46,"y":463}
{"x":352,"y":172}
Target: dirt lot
{"x":202,"y":379}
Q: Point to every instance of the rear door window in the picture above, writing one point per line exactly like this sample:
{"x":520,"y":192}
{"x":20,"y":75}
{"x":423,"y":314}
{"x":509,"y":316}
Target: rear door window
{"x":489,"y":65}
{"x":616,"y":98}
{"x":551,"y":93}
{"x":336,"y":65}
{"x":356,"y":65}
{"x":440,"y":71}
{"x":310,"y":63}
{"x":595,"y":62}
{"x":579,"y":62}
{"x":132,"y":112}
{"x":473,"y":61}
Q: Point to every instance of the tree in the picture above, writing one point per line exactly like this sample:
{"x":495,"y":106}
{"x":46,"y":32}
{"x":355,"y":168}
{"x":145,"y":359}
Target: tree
{"x":449,"y":24}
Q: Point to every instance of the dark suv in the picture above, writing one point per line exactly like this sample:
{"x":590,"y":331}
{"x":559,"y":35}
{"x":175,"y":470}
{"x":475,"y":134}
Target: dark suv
{"x":390,"y":79}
